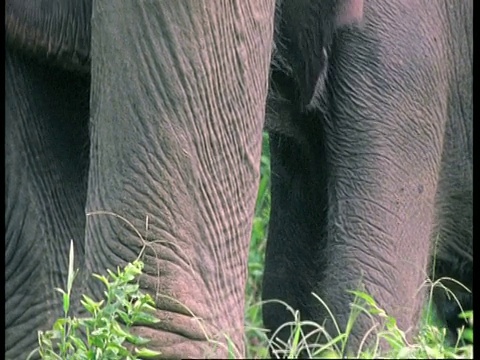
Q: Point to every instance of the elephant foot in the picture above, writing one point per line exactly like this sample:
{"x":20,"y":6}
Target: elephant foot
{"x":183,"y":337}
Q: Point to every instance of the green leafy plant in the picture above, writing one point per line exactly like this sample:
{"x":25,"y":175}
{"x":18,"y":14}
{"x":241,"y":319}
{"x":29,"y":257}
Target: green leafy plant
{"x":105,"y":333}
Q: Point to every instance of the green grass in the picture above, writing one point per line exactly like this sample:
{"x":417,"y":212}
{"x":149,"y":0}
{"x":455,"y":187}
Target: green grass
{"x":431,"y":342}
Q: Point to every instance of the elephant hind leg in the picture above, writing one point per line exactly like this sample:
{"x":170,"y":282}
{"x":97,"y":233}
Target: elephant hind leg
{"x":46,"y":159}
{"x":293,"y":261}
{"x":453,"y":259}
{"x":453,"y":251}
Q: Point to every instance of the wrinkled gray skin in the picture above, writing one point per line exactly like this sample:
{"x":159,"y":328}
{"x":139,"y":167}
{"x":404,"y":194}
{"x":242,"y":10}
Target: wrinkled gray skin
{"x":168,"y":124}
{"x":373,"y":168}
{"x":370,"y":140}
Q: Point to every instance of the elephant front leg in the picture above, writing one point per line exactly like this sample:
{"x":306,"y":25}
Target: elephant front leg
{"x":378,"y":242}
{"x":342,"y":221}
{"x":355,"y":210}
{"x":384,"y":132}
{"x":178,"y":94}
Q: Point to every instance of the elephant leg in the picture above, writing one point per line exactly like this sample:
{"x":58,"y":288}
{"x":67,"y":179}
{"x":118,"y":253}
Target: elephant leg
{"x":296,"y":231}
{"x":453,"y":240}
{"x":386,"y":122}
{"x":326,"y":238}
{"x":46,"y":145}
{"x":384,"y":112}
{"x":298,"y":208}
{"x":178,"y":101}
{"x":453,"y":255}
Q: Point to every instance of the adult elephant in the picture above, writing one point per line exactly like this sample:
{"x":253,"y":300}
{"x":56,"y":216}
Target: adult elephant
{"x":371,"y":160}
